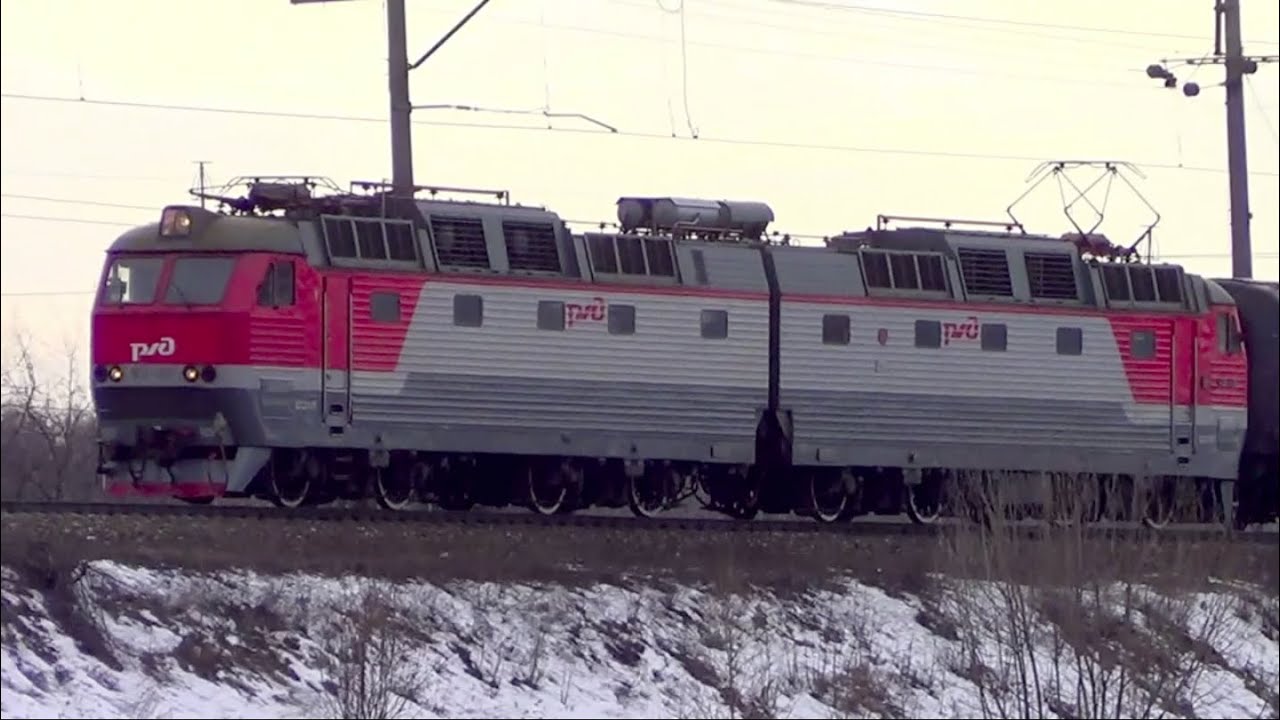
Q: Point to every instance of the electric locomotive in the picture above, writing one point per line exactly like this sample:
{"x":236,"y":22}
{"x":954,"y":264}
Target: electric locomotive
{"x":303,"y":346}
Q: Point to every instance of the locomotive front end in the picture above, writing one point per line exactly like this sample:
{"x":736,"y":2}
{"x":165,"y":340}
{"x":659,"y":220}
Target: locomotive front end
{"x":174,"y":384}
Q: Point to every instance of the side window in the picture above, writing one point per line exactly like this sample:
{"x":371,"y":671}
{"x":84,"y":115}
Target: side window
{"x":1070,"y":341}
{"x":468,"y":310}
{"x":385,"y":306}
{"x":277,"y":288}
{"x":1228,"y":335}
{"x":715,"y":324}
{"x":928,"y":333}
{"x":1142,"y":344}
{"x":995,"y":337}
{"x":622,"y":319}
{"x":835,"y":329}
{"x":550,"y":315}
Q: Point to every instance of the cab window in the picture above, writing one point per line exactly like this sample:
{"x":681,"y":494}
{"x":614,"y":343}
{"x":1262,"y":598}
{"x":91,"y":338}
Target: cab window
{"x":1228,"y":334}
{"x":277,"y":288}
{"x":132,"y":281}
{"x":199,"y":280}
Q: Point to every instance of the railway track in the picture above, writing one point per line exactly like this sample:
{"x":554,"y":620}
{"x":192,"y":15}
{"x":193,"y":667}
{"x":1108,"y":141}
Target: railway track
{"x":618,"y":522}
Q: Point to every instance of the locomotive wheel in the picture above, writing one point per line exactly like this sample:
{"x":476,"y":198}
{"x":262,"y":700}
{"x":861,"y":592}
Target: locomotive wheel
{"x":547,"y":490}
{"x":701,"y":491}
{"x":393,"y":487}
{"x":1157,"y":507}
{"x":290,"y":491}
{"x":649,"y":493}
{"x":828,"y":498}
{"x":924,"y":501}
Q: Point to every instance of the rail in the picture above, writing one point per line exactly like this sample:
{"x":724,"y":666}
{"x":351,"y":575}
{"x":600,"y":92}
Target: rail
{"x":684,"y":524}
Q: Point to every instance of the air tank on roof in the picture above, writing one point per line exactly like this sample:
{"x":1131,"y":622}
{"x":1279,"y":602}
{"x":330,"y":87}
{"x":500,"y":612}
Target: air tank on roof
{"x":746,"y":217}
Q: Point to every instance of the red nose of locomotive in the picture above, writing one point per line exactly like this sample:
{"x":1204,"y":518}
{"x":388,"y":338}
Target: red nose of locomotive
{"x":163,"y":346}
{"x":172,"y":363}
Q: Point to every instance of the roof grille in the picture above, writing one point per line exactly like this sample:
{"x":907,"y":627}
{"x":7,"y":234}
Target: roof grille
{"x":985,"y":272}
{"x":531,"y":246}
{"x":459,"y":241}
{"x":1052,"y":276}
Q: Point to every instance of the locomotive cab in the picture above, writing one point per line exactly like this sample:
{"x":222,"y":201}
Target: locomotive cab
{"x":188,"y":312}
{"x":1258,"y":306}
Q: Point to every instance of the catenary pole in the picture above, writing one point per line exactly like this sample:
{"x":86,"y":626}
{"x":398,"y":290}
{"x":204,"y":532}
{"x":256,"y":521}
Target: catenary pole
{"x":1227,"y":24}
{"x":400,"y":104}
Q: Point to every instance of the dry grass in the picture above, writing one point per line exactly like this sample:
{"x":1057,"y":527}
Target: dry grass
{"x":1093,"y":628}
{"x":372,"y":671}
{"x":58,"y":574}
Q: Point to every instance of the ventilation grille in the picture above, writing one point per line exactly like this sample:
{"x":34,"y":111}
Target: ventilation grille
{"x":531,"y":246}
{"x":986,"y":272}
{"x":1052,"y":276}
{"x":460,"y":242}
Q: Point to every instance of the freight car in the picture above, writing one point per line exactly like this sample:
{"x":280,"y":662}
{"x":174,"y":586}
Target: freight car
{"x":302,"y":346}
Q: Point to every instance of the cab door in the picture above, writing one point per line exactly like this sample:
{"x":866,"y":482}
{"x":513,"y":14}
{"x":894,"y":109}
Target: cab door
{"x":1184,"y":375}
{"x":1222,"y":381}
{"x":335,"y":379}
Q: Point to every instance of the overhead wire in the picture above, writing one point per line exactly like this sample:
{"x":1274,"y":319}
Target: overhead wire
{"x":743,"y":142}
{"x":844,"y":7}
{"x":684,"y":62}
{"x":761,"y":9}
{"x":755,"y":50}
{"x":891,"y":22}
{"x":75,"y":201}
{"x":907,"y":14}
{"x":684,"y":71}
{"x":53,"y":218}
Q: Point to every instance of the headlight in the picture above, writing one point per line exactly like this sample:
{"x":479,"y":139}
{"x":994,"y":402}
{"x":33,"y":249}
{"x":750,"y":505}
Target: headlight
{"x":190,"y":373}
{"x":175,"y":222}
{"x":115,"y":373}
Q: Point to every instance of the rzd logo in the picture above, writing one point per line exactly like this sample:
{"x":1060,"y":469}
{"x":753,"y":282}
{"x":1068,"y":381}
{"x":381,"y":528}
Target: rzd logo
{"x":163,"y":348}
{"x":967,"y":330}
{"x":595,"y":311}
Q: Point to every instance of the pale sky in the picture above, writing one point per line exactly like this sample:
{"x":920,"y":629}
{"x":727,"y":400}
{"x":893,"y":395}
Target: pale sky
{"x":830,"y":110}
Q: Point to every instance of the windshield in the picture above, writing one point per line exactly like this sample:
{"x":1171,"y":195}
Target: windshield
{"x":132,"y":280}
{"x":199,"y":281}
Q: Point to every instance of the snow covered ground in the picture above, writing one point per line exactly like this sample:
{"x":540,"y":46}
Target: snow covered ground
{"x":127,"y":641}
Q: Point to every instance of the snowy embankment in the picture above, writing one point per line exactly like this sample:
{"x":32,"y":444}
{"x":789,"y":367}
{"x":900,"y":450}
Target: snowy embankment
{"x":120,"y":641}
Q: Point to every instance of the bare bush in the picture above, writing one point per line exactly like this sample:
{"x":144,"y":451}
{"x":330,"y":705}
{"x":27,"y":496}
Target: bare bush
{"x":731,"y":654}
{"x":373,"y":672}
{"x":1084,"y":628}
{"x":48,"y":447}
{"x":65,"y":582}
{"x":847,"y":680}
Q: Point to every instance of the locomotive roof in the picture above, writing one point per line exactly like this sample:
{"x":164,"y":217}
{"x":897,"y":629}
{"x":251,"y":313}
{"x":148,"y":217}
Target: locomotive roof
{"x":528,"y":213}
{"x":925,"y":239}
{"x":216,"y":232}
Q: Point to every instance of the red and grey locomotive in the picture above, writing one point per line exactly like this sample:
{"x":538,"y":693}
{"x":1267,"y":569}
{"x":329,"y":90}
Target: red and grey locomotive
{"x":302,"y":346}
